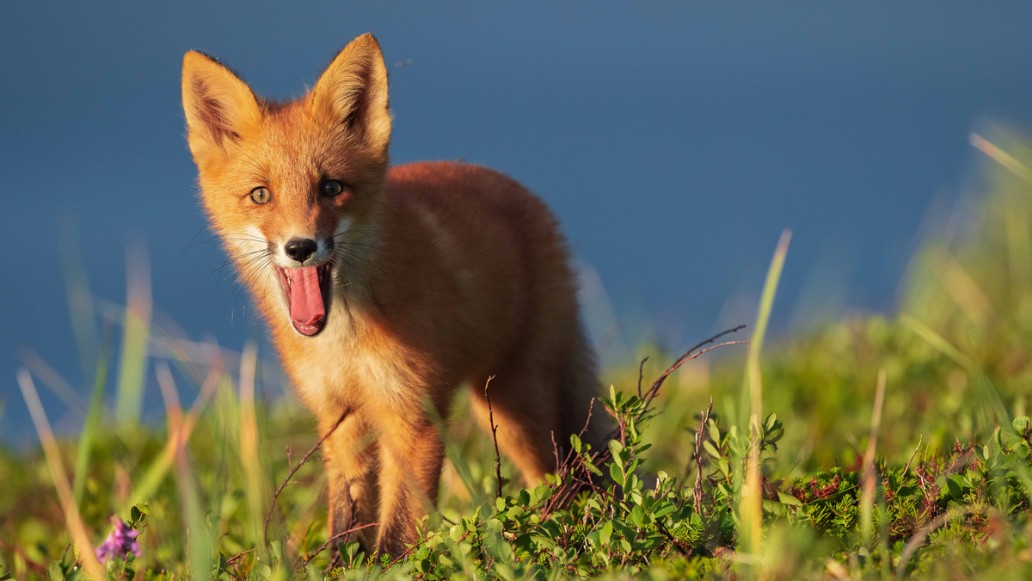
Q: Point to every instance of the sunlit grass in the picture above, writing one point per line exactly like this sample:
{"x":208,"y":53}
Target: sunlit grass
{"x":869,"y":405}
{"x":751,"y":512}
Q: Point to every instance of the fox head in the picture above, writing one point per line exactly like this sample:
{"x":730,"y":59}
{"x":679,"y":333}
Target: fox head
{"x":293,"y":189}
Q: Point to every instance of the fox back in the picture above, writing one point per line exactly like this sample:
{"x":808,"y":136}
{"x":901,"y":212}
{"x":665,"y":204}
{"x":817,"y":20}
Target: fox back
{"x":386,"y":289}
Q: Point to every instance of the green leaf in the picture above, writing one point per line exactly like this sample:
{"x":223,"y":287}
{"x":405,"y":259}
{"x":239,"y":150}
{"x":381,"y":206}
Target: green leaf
{"x":662,"y":509}
{"x":710,"y":449}
{"x":616,"y":474}
{"x":955,"y":486}
{"x":615,"y":447}
{"x":788,"y":499}
{"x":605,"y":533}
{"x":638,"y":517}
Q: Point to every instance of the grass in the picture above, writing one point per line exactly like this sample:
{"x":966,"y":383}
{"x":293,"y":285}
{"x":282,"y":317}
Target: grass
{"x":874,"y":446}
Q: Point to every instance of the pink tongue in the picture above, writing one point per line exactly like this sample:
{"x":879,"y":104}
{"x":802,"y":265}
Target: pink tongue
{"x":305,"y":296}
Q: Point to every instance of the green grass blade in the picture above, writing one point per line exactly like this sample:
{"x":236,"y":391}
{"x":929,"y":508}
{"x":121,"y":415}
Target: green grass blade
{"x":199,"y":541}
{"x":136,"y":331}
{"x":987,"y":393}
{"x":73,"y":518}
{"x":256,"y":486}
{"x":80,"y":300}
{"x":90,"y":427}
{"x":751,"y":404}
{"x":751,"y":397}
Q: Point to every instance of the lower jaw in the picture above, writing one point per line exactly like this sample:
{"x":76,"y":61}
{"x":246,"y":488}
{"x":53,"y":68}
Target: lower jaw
{"x":309,"y":330}
{"x":325,"y":274}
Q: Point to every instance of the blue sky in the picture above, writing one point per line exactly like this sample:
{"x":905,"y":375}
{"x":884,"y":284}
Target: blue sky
{"x":674,"y":141}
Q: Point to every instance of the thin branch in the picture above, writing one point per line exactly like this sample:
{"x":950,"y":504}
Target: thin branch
{"x":404,"y":555}
{"x":641,"y":373}
{"x":906,"y":468}
{"x":336,"y":537}
{"x":693,"y":353}
{"x":555,"y":452}
{"x":293,"y":471}
{"x":919,"y":537}
{"x":230,"y":560}
{"x":579,"y":476}
{"x":494,"y":435}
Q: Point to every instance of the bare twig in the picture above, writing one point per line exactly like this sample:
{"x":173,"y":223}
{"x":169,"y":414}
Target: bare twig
{"x":494,"y":435}
{"x":579,"y":479}
{"x":415,"y":546}
{"x":693,"y":353}
{"x":555,"y":452}
{"x":919,"y":537}
{"x":335,"y":537}
{"x":906,"y":468}
{"x":230,"y":560}
{"x":574,"y":476}
{"x":587,"y":419}
{"x":641,"y":373}
{"x":697,"y":457}
{"x":293,"y":471}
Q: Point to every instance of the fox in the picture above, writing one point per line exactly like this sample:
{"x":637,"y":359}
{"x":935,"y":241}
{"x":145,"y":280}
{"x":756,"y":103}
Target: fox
{"x":388,"y":289}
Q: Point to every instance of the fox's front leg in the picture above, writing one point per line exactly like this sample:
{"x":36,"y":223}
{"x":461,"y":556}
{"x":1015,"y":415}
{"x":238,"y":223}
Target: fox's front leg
{"x":350,"y":458}
{"x":410,"y":454}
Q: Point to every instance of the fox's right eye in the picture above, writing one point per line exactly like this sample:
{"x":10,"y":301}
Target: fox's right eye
{"x":261,"y":195}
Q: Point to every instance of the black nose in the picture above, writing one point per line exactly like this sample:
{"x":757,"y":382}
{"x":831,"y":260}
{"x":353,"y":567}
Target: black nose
{"x":300,"y":248}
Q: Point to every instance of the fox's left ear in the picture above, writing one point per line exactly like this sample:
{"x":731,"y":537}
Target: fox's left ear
{"x":219,"y":106}
{"x":353,"y":92}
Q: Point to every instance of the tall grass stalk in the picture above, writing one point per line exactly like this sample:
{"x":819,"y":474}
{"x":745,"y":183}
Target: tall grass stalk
{"x":199,"y":543}
{"x":73,"y":519}
{"x":1000,"y":156}
{"x":80,"y":300}
{"x":155,"y":473}
{"x":249,"y":457}
{"x":90,"y":427}
{"x":750,"y":507}
{"x":988,"y":396}
{"x":133,"y":367}
{"x":869,"y":477}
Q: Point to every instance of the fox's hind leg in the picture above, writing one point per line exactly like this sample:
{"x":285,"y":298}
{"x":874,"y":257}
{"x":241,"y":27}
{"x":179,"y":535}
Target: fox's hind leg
{"x":525,"y":415}
{"x":542,"y":395}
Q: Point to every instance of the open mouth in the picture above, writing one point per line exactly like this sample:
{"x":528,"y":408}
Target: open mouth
{"x":307,"y":292}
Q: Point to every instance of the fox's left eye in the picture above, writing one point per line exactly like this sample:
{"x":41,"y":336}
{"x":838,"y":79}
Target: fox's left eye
{"x":261,"y":195}
{"x":331,"y":188}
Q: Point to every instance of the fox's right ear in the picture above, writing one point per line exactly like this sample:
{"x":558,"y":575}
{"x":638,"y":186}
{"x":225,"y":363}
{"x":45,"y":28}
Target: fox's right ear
{"x":352,"y":92}
{"x":218,"y":105}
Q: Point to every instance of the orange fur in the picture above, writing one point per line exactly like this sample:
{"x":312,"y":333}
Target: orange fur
{"x":442,"y":274}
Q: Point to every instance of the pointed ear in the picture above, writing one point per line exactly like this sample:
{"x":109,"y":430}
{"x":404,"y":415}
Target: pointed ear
{"x":352,"y":92}
{"x":218,"y":105}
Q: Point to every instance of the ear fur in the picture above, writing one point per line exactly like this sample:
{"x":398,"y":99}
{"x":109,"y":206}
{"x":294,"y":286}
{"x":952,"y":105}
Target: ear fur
{"x":218,"y":105}
{"x":352,"y":92}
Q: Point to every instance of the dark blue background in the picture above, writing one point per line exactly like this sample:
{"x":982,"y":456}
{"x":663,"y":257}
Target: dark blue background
{"x":674,"y":140}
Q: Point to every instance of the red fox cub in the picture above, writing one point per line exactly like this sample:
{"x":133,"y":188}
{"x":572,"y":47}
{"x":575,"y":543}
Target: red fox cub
{"x":386,"y":289}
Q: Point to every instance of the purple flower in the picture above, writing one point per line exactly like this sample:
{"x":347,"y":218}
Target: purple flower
{"x":120,"y":543}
